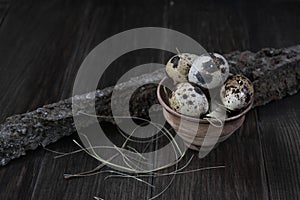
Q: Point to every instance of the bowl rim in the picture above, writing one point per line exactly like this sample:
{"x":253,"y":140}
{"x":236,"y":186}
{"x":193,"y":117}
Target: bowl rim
{"x":193,"y":119}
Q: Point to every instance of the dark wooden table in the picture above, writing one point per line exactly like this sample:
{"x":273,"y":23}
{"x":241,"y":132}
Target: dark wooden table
{"x":42,"y":44}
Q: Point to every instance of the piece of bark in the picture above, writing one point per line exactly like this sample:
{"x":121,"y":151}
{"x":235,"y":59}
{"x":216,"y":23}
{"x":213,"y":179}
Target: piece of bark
{"x":275,"y":74}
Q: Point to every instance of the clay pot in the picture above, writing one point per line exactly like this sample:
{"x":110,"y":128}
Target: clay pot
{"x":194,"y":139}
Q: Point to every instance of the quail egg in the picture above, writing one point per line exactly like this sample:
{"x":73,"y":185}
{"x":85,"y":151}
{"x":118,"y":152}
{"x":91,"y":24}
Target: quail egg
{"x":189,"y":100}
{"x":209,"y":70}
{"x":179,"y":65}
{"x":237,"y":92}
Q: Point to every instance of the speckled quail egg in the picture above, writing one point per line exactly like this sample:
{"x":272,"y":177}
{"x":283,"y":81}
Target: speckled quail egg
{"x":179,"y":65}
{"x":237,"y":92}
{"x":209,"y":70}
{"x":189,"y":100}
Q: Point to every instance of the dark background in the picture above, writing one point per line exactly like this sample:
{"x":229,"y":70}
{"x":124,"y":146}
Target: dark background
{"x":42,"y":44}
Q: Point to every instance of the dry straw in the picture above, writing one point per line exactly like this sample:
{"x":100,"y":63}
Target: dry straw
{"x":136,"y":172}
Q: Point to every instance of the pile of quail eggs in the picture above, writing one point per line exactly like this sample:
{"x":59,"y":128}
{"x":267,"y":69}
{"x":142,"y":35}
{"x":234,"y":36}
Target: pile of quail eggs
{"x":194,"y":76}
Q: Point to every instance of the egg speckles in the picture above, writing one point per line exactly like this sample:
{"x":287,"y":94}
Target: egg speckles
{"x":237,"y":92}
{"x":189,"y":100}
{"x":179,"y":65}
{"x":209,"y":70}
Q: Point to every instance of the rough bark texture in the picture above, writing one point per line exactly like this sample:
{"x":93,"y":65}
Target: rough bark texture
{"x":275,"y":74}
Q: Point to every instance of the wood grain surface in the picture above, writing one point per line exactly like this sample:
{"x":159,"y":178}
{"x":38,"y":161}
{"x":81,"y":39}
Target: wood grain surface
{"x":42,"y":44}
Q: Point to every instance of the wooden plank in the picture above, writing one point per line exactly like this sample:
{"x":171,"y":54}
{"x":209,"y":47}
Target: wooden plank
{"x":86,"y":188}
{"x":39,"y":47}
{"x":4,"y":7}
{"x":52,"y":185}
{"x":242,"y":178}
{"x":56,"y":120}
{"x":50,"y":44}
{"x":279,"y":125}
{"x":26,"y":56}
{"x":270,"y":23}
{"x":18,"y":179}
{"x":261,"y":68}
{"x":217,"y":27}
{"x":39,"y":40}
{"x":278,"y":128}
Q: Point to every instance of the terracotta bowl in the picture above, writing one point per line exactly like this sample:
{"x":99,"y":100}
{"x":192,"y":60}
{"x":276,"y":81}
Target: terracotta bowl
{"x":195,"y":140}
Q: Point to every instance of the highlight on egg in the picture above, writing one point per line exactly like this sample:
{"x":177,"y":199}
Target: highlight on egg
{"x":237,"y":92}
{"x":189,"y":100}
{"x":209,"y":70}
{"x":178,"y":67}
